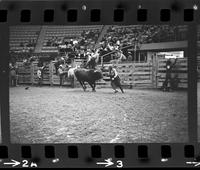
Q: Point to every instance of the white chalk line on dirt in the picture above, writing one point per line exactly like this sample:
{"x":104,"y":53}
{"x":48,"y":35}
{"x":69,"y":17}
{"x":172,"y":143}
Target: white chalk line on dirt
{"x":117,"y":137}
{"x":125,"y":117}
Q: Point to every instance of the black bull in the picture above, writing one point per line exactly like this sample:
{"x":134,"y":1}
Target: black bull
{"x":88,"y":75}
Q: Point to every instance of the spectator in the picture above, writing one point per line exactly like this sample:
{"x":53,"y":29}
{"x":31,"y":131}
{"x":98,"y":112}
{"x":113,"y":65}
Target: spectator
{"x":13,"y":74}
{"x":39,"y":75}
{"x":130,"y":56}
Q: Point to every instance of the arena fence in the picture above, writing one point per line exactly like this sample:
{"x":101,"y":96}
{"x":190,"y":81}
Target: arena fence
{"x":132,"y":74}
{"x":150,"y":74}
{"x":180,"y":71}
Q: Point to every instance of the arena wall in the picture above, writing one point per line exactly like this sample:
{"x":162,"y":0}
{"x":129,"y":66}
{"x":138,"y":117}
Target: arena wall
{"x":164,"y":45}
{"x":141,"y":75}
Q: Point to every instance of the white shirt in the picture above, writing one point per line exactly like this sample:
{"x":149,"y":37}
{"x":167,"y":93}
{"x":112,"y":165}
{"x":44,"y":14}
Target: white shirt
{"x":39,"y":73}
{"x":114,"y":72}
{"x":60,"y":71}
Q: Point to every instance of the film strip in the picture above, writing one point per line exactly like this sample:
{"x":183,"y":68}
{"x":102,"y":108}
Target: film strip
{"x":63,"y":66}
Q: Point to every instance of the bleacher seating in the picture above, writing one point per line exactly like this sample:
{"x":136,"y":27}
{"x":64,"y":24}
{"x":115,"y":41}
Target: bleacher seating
{"x":23,"y":37}
{"x":70,"y":32}
{"x":145,"y":33}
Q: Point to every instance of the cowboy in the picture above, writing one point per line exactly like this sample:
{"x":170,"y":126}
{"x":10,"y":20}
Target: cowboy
{"x":92,"y":59}
{"x":40,"y":75}
{"x":115,"y":79}
{"x":61,"y":74}
{"x":168,"y":78}
{"x":13,"y":74}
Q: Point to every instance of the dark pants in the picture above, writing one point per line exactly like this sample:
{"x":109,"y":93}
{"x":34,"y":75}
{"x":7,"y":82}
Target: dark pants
{"x":39,"y":81}
{"x":167,"y":81}
{"x":61,"y":79}
{"x":72,"y":82}
{"x":116,"y":83}
{"x":13,"y":81}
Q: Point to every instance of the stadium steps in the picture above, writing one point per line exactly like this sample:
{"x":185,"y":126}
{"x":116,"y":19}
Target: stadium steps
{"x":103,"y":32}
{"x":40,"y":40}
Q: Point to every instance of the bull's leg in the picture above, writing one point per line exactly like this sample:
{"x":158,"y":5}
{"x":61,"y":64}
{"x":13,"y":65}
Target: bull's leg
{"x":84,"y":86}
{"x":92,"y":85}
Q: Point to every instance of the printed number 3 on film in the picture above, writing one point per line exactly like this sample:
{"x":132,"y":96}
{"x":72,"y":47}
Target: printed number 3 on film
{"x":109,"y":163}
{"x":119,"y":164}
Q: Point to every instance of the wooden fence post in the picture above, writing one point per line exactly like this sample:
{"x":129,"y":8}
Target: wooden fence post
{"x":133,"y":75}
{"x":101,"y":61}
{"x":51,"y":73}
{"x":32,"y":73}
{"x":156,"y":70}
{"x":153,"y":76}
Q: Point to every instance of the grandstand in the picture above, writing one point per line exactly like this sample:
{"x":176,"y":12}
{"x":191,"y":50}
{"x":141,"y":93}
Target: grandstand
{"x":145,"y":33}
{"x":137,"y":42}
{"x":23,"y":38}
{"x":67,"y":32}
{"x":36,"y":38}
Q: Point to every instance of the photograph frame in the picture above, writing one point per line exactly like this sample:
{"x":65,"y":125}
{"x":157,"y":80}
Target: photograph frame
{"x":108,"y":150}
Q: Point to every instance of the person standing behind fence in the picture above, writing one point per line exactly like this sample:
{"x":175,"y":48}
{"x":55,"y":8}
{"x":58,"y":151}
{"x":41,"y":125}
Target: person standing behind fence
{"x":40,"y":73}
{"x":168,"y":78}
{"x":39,"y":76}
{"x":13,"y":74}
{"x":115,"y":80}
{"x":61,"y":74}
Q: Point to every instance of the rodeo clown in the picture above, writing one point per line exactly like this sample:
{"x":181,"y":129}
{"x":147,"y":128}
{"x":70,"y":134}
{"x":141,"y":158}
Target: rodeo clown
{"x":115,"y":80}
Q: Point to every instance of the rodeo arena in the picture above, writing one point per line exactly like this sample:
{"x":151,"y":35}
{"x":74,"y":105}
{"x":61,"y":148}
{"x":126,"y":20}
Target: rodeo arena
{"x":98,"y":84}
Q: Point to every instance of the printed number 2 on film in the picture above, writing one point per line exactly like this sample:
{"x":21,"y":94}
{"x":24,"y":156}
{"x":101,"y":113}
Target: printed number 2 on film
{"x":23,"y":164}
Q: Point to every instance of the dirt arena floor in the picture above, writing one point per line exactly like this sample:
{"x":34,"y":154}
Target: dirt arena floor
{"x":64,"y":115}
